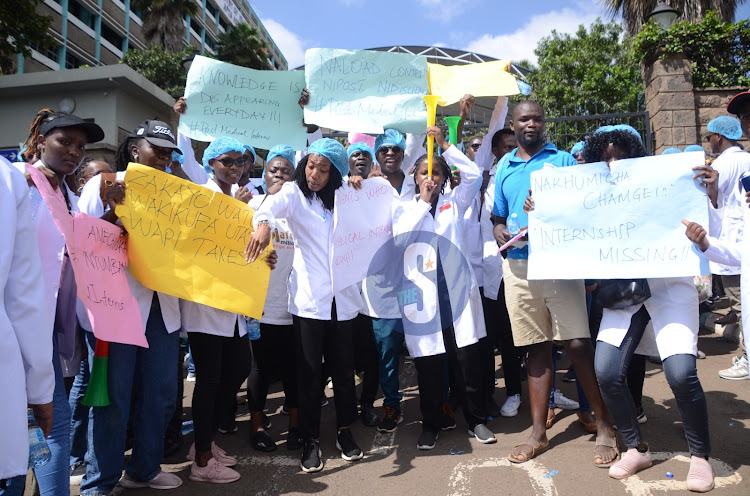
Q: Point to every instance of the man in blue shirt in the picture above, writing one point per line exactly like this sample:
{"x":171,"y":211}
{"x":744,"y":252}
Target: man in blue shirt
{"x":545,"y":310}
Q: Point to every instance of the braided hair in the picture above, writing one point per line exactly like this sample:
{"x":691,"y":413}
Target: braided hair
{"x":31,"y":144}
{"x":440,"y":162}
{"x":598,"y":142}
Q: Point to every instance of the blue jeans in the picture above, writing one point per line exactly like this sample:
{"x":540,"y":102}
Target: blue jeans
{"x":80,"y":412}
{"x":611,"y":365}
{"x":150,"y":375}
{"x":13,"y":486}
{"x":389,"y":339}
{"x":54,"y":477}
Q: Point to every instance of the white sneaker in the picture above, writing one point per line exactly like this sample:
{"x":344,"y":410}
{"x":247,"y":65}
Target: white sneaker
{"x":511,"y":406}
{"x":190,"y":377}
{"x":564,"y":403}
{"x":163,"y":480}
{"x":738,"y":371}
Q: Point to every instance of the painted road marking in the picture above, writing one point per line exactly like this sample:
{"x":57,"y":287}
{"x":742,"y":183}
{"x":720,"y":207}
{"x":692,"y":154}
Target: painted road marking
{"x":725,"y":476}
{"x":460,"y":480}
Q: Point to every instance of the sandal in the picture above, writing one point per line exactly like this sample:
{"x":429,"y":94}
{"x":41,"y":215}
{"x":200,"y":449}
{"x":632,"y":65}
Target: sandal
{"x":611,"y":443}
{"x":551,"y":416}
{"x":262,"y":441}
{"x":589,"y":426}
{"x":536,"y":449}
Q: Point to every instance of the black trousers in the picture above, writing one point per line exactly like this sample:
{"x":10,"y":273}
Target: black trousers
{"x":366,"y":358}
{"x":274,"y":356}
{"x":332,"y":340}
{"x":467,"y":382}
{"x":499,"y":332}
{"x":221,"y":366}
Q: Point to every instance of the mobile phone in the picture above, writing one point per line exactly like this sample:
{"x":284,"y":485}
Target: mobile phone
{"x":745,"y":183}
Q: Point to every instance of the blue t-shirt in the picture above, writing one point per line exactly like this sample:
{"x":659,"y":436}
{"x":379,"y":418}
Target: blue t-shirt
{"x":513,"y":181}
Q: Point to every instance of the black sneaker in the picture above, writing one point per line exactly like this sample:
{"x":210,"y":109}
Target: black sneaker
{"x":427,"y":440}
{"x":368,"y":415}
{"x":266,"y":421}
{"x":262,"y":441}
{"x":312,"y":457}
{"x":294,"y":439}
{"x":391,"y":419}
{"x":483,"y":434}
{"x":447,"y":423}
{"x":349,"y":449}
{"x":229,"y":427}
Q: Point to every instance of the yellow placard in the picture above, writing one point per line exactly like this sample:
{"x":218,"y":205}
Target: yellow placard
{"x":189,"y":241}
{"x":452,"y":82}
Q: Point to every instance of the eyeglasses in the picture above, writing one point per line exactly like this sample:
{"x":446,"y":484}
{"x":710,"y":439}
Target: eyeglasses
{"x":708,"y":138}
{"x":385,"y":149}
{"x":229,"y":162}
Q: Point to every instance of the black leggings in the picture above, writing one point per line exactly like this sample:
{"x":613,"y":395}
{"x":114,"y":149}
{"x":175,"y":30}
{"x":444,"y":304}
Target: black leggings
{"x":274,"y":357}
{"x":221,"y":366}
{"x":331,"y":339}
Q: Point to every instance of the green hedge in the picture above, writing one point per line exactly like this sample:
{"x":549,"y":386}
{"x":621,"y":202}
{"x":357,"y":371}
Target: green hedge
{"x":719,"y":51}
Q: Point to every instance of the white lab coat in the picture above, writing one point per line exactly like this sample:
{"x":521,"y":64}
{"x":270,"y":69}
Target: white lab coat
{"x":25,"y":327}
{"x":492,"y":260}
{"x":196,"y":317}
{"x":91,"y":203}
{"x":310,"y":282}
{"x":414,"y":215}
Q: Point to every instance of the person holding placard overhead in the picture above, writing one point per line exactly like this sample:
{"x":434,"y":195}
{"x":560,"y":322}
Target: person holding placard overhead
{"x":547,"y":310}
{"x":322,"y":318}
{"x":439,"y":331}
{"x":274,"y":352}
{"x":673,"y":308}
{"x":145,"y":376}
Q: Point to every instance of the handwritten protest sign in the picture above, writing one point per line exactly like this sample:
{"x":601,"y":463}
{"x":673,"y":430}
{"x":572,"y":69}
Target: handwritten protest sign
{"x":451,"y":82}
{"x":362,"y":224}
{"x":189,"y":241}
{"x":366,"y":91}
{"x":589,"y":223}
{"x":99,"y":258}
{"x":100,"y":264}
{"x":258,"y":108}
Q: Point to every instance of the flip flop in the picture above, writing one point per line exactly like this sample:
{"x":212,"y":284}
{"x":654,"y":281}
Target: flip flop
{"x":611,"y":444}
{"x":536,"y":449}
{"x":589,"y":426}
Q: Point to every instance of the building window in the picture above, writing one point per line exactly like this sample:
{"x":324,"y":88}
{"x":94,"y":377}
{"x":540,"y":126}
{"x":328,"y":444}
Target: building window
{"x":210,"y":43}
{"x":112,"y":36}
{"x":81,"y":13}
{"x":72,"y":62}
{"x":211,"y":9}
{"x":195,"y":25}
{"x":223,"y":24}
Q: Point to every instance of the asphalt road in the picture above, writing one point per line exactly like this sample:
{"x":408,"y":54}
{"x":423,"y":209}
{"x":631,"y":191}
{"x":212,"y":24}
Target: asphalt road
{"x":459,"y":465}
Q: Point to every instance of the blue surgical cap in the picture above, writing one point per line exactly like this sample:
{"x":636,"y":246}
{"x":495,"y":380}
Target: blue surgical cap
{"x":390,"y":137}
{"x":283,"y":151}
{"x":670,"y":151}
{"x":219,"y":147}
{"x":177,"y":157}
{"x":252,"y":151}
{"x":619,"y":127}
{"x":333,"y":151}
{"x":364,"y":147}
{"x":578,"y":147}
{"x":727,"y":126}
{"x":694,"y":148}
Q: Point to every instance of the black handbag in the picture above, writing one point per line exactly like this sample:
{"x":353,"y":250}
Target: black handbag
{"x":621,"y":293}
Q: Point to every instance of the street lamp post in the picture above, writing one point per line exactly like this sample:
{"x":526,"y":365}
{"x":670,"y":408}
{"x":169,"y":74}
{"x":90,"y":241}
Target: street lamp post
{"x":664,"y":14}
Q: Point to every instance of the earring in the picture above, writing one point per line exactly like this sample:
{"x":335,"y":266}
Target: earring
{"x":135,"y":157}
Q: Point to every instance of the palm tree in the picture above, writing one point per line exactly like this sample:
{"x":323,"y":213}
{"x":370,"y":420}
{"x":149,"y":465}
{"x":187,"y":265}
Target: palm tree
{"x":163,"y":21}
{"x":634,"y":11}
{"x":241,"y":45}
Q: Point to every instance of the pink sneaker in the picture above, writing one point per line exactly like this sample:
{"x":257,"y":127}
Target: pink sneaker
{"x":219,"y":454}
{"x":700,"y":476}
{"x":630,"y":463}
{"x":163,"y":480}
{"x":214,"y":472}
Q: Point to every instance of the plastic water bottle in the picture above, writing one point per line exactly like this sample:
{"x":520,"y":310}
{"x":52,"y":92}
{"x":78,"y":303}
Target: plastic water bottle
{"x":39,"y":454}
{"x":513,"y":226}
{"x":253,"y":329}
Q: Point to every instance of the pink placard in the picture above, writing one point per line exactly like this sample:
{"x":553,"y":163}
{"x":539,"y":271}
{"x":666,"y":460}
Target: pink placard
{"x":362,"y":138}
{"x":55,"y":202}
{"x":100,"y":263}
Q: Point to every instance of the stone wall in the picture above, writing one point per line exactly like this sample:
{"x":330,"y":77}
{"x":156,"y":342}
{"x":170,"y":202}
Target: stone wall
{"x":678,"y":112}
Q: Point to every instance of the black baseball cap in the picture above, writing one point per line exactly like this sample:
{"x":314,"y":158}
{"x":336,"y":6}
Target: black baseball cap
{"x":737,"y":101}
{"x":157,"y":133}
{"x":93,"y":132}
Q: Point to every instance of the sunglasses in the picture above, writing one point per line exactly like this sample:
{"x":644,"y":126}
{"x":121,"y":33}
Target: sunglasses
{"x":708,"y":138}
{"x":475,"y":146}
{"x":229,"y":162}
{"x":385,"y":149}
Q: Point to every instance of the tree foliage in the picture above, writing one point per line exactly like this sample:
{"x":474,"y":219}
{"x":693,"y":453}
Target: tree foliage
{"x":20,"y":28}
{"x":719,"y":51}
{"x":161,"y":67}
{"x":163,"y":21}
{"x":634,"y":12}
{"x":241,"y":45}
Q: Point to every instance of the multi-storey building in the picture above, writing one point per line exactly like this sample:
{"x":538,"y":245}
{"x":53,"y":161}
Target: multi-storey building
{"x":99,"y":32}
